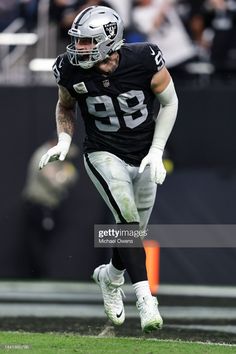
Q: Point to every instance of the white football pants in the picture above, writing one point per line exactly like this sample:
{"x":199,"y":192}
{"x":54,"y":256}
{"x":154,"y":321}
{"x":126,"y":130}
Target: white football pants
{"x":129,"y":194}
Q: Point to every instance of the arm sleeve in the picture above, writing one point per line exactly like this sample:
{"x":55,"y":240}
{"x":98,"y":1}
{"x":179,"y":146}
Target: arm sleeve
{"x":166,"y":116}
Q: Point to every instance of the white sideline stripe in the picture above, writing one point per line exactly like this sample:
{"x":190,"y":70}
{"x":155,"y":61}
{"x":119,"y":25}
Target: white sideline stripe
{"x":18,"y":38}
{"x":191,"y":342}
{"x":198,"y":290}
{"x":214,"y":328}
{"x":91,"y":311}
{"x":41,"y":64}
{"x":51,"y":310}
{"x":175,"y":341}
{"x":73,"y":290}
{"x":28,"y":296}
{"x":198,"y":312}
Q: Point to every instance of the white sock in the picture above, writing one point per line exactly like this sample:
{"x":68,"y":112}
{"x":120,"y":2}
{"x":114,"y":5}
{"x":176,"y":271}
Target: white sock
{"x":114,"y":274}
{"x":142,"y":289}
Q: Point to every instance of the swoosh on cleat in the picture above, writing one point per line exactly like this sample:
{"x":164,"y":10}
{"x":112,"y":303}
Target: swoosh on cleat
{"x":118,"y":315}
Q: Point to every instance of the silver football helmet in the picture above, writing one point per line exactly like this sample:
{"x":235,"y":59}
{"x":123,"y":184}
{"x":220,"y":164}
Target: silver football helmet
{"x":99,"y":26}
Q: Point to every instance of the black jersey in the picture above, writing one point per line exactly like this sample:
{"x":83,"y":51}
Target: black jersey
{"x":117,"y":109}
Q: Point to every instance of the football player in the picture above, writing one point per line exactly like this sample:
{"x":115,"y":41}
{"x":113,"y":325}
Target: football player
{"x":115,"y":85}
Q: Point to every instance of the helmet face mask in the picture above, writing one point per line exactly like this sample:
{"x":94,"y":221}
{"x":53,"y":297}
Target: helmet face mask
{"x":83,"y":57}
{"x":96,"y":33}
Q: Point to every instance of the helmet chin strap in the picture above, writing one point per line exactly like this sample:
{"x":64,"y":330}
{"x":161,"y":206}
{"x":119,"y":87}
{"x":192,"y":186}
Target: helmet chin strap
{"x":106,"y":59}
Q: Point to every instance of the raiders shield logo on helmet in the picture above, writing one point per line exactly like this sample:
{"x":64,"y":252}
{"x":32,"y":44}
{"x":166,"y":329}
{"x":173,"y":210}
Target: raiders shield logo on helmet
{"x":110,"y":29}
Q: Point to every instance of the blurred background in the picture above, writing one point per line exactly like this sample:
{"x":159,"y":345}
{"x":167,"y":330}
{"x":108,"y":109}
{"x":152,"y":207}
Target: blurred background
{"x":47,"y":219}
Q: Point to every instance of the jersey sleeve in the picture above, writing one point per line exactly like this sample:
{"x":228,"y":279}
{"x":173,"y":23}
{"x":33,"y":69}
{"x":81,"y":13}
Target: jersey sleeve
{"x":152,"y":57}
{"x":58,"y":70}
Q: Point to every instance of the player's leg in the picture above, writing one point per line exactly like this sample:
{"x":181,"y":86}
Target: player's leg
{"x":111,"y":178}
{"x":134,"y":259}
{"x":145,"y":193}
{"x":113,"y":181}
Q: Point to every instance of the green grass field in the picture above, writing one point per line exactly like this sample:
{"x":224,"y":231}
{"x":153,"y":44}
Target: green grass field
{"x":52,"y":343}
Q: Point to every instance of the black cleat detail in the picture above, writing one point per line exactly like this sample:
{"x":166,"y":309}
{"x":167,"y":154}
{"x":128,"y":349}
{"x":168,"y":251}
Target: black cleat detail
{"x":119,"y":314}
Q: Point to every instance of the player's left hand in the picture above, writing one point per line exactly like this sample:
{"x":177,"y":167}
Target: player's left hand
{"x":157,"y":169}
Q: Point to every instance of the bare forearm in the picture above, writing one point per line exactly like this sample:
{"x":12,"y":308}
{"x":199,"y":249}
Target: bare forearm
{"x":161,"y":15}
{"x":65,"y":119}
{"x":65,"y":112}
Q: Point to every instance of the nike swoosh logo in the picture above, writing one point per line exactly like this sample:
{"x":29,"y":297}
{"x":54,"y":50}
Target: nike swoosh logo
{"x":60,"y":64}
{"x":119,"y":314}
{"x":152,"y":51}
{"x":98,"y":277}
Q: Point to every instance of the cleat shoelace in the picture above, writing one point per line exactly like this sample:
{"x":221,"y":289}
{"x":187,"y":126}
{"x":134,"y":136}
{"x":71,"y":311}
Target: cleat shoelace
{"x":114,"y":293}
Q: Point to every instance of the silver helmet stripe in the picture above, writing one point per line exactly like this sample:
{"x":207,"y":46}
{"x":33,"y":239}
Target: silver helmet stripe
{"x":82,"y":15}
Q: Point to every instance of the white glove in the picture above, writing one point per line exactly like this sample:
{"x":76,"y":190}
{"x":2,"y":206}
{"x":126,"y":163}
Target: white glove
{"x":57,"y":152}
{"x":157,"y":169}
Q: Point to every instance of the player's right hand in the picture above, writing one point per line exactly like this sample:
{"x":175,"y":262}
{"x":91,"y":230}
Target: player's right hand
{"x":57,"y":152}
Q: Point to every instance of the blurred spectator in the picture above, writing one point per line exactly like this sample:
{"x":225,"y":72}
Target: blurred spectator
{"x":12,"y":9}
{"x":58,"y":9}
{"x":29,"y":12}
{"x":218,"y":33}
{"x":9,"y":10}
{"x":69,"y":16}
{"x":187,"y":10}
{"x":43,"y":198}
{"x":159,"y":21}
{"x":123,"y":8}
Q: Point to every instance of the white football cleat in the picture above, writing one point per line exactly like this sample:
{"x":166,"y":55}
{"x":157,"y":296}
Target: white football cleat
{"x":112,"y":295}
{"x":149,"y":314}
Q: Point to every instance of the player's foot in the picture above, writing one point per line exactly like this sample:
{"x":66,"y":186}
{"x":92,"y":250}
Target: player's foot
{"x":149,"y":314}
{"x":112,"y":295}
